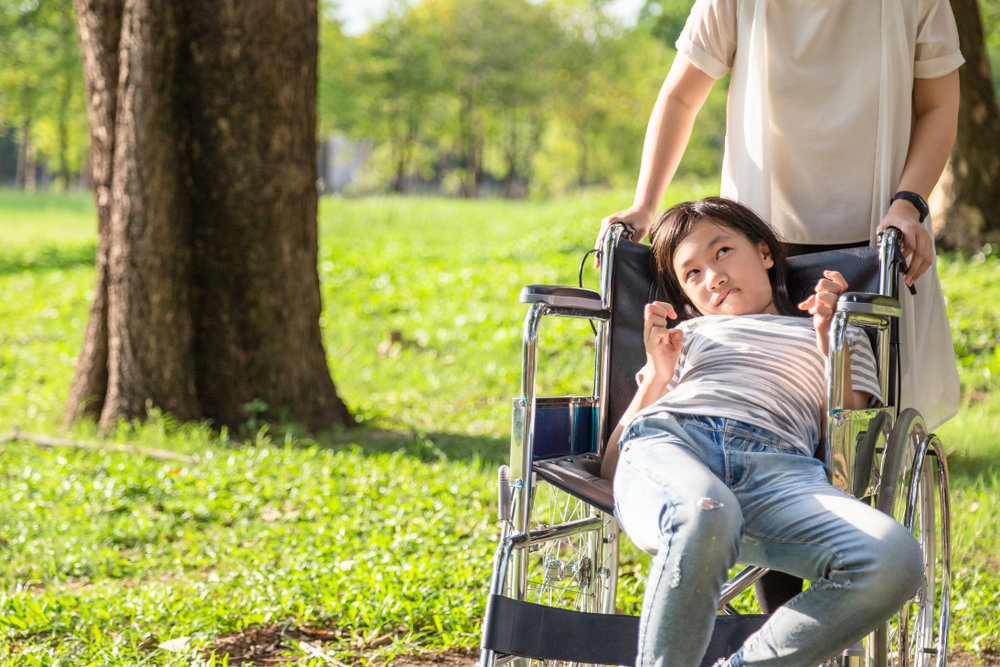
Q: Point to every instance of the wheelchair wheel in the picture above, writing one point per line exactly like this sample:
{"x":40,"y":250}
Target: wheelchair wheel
{"x":577,"y":571}
{"x":914,"y":490}
{"x":571,"y":562}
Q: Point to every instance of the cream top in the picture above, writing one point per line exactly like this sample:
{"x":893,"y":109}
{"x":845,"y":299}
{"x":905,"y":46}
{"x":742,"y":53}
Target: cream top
{"x":815,"y":143}
{"x":817,"y":132}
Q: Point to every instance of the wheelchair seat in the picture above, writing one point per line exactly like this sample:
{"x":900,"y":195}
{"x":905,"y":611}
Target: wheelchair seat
{"x":579,"y":475}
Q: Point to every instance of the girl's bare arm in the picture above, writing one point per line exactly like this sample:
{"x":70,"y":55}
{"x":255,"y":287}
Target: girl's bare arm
{"x":663,"y":348}
{"x":650,"y":390}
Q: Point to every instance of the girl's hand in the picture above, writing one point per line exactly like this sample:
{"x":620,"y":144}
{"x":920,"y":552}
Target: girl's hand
{"x":663,"y":345}
{"x":823,"y":304}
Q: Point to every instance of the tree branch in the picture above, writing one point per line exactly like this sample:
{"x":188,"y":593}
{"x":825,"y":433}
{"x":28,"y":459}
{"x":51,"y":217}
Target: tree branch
{"x":50,"y":442}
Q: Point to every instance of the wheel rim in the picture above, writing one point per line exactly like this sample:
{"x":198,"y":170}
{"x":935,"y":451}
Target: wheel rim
{"x":915,"y":492}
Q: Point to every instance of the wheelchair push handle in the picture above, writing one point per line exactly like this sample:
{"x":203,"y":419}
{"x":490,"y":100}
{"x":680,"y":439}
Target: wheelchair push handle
{"x":884,"y":302}
{"x":890,"y":241}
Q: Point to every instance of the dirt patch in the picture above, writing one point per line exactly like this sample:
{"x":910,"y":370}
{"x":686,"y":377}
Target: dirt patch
{"x":447,"y":659}
{"x":272,"y":645}
{"x":285,"y":645}
{"x":968,"y":660}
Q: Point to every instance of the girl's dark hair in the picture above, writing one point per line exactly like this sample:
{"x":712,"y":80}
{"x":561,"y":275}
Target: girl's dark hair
{"x":674,"y":225}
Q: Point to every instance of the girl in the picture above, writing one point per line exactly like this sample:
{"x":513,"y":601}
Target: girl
{"x":715,"y":460}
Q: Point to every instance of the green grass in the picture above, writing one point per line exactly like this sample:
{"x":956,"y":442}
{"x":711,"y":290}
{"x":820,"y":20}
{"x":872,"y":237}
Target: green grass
{"x":383,"y":533}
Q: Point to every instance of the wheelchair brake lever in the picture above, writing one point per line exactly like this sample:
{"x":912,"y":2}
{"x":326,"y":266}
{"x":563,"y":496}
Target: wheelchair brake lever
{"x":903,"y":268}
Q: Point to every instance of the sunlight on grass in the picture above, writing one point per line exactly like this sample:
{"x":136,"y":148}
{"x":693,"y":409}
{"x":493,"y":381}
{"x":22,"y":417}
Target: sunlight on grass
{"x":32,"y":219}
{"x":384,"y":531}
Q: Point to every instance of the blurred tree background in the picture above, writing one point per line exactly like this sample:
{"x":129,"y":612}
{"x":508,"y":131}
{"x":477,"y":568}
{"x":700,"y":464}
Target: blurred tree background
{"x":458,"y":97}
{"x":43,"y":118}
{"x":467,"y":98}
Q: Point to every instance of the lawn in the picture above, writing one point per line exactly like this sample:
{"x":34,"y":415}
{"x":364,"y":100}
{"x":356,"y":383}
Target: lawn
{"x":358,"y":545}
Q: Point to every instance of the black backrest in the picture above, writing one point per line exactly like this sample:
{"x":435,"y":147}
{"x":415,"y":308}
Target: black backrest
{"x":634,"y":285}
{"x":859,"y":267}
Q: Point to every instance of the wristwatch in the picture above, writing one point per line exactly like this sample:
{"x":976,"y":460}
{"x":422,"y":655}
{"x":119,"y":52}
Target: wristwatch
{"x":918,"y":202}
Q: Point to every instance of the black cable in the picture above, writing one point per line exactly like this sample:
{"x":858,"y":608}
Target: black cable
{"x":579,"y":277}
{"x":583,"y":263}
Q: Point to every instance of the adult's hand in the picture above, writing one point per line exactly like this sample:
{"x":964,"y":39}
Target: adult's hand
{"x":918,"y":246}
{"x":636,"y":218}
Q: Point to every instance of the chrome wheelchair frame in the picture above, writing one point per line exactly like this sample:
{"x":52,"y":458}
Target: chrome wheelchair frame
{"x":555,"y":571}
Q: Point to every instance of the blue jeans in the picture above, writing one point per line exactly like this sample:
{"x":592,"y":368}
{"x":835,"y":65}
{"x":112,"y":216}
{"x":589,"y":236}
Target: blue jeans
{"x":702,"y":492}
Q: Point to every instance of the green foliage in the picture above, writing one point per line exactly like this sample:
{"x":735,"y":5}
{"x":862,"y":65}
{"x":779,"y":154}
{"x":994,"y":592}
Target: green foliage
{"x":989,"y":11}
{"x":41,"y":81}
{"x":381,"y":532}
{"x":665,"y":18}
{"x":522,"y":96}
{"x":538,"y":97}
{"x":974,"y":322}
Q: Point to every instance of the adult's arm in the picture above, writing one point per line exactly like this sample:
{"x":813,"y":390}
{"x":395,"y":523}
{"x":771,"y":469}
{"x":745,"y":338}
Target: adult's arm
{"x":681,"y":97}
{"x":935,"y":123}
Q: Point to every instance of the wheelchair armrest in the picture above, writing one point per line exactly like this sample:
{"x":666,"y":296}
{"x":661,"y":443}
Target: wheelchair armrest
{"x":560,"y":296}
{"x":869,"y":304}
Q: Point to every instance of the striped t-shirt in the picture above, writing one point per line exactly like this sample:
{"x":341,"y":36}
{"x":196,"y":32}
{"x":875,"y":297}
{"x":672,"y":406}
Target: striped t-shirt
{"x":764,"y":370}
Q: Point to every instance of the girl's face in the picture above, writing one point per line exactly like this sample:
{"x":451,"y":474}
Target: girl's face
{"x":723,"y":272}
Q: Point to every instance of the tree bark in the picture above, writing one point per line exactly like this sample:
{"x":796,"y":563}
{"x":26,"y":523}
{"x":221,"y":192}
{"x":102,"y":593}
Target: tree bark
{"x":206,"y":163}
{"x":967,"y":199}
{"x":99,"y":25}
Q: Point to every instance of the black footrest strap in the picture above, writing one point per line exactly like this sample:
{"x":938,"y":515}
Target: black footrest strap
{"x":535,"y":631}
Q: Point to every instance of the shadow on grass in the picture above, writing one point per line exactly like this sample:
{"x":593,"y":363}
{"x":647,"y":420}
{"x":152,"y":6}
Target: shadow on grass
{"x":492,"y":451}
{"x":48,"y":258}
{"x":430,"y":447}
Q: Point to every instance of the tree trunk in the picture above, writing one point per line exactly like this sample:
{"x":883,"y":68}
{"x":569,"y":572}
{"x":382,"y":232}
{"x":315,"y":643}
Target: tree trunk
{"x":66,"y":94}
{"x":967,"y":200}
{"x":469,"y":142}
{"x":204,"y":165}
{"x":25,"y":165}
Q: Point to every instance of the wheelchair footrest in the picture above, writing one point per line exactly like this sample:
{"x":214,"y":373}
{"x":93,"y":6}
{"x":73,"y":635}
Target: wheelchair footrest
{"x":529,"y":630}
{"x":580,"y":476}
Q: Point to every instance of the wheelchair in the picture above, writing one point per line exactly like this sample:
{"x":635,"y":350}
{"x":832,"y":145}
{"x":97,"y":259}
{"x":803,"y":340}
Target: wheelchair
{"x":552,"y":594}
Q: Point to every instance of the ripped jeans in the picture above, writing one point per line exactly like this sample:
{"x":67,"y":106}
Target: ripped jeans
{"x":703,"y":492}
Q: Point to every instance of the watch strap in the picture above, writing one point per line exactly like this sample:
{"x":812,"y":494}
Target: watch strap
{"x":918,"y":202}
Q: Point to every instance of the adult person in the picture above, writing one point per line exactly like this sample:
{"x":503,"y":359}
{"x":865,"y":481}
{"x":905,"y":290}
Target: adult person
{"x":840,"y":119}
{"x":834,"y":109}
